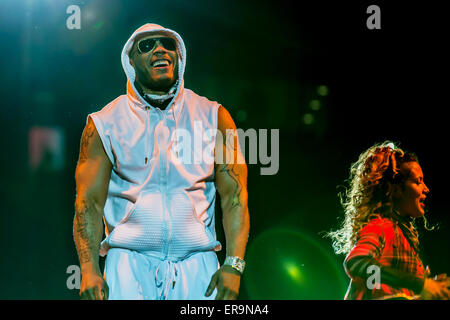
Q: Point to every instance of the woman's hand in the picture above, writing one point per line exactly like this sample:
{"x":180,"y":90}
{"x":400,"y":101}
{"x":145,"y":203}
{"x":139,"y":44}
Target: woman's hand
{"x":436,"y":289}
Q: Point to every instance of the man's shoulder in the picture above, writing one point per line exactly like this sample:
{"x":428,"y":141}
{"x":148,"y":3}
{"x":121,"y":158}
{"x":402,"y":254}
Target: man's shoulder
{"x":200,"y":101}
{"x":111,"y":108}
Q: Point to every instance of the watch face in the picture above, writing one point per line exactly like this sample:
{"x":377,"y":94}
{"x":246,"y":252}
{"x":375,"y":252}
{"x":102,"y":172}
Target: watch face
{"x":235,"y":263}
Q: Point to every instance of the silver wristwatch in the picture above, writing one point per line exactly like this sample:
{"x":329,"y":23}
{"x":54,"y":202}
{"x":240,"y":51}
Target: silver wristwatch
{"x":236,"y":263}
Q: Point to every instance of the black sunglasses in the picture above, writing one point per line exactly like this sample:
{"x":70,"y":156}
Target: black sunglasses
{"x":146,"y":45}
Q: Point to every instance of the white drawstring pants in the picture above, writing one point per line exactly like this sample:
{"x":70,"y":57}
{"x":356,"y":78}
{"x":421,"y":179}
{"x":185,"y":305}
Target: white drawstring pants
{"x":132,"y":275}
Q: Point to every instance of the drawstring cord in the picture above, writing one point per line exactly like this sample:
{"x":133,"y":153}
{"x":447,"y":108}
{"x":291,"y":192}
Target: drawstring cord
{"x":176,"y":126}
{"x":169,"y":278}
{"x":147,"y":125}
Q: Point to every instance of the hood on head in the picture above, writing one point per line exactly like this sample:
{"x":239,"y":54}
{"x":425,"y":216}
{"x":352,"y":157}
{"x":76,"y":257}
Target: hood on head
{"x":151,"y":28}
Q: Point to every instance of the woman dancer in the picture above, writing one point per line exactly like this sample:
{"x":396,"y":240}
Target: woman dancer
{"x":386,"y":194}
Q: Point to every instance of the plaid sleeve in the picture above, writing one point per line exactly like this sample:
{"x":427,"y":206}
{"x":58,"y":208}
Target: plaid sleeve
{"x":367,"y":249}
{"x":358,"y":266}
{"x":401,"y":279}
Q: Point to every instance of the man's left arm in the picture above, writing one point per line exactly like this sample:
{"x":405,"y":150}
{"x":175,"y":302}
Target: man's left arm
{"x":231,"y":183}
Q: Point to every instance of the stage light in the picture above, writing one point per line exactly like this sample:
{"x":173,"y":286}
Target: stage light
{"x":289,"y":264}
{"x":315,"y":104}
{"x":46,"y":148}
{"x":322,"y":90}
{"x":308,"y":118}
{"x":293,"y":270}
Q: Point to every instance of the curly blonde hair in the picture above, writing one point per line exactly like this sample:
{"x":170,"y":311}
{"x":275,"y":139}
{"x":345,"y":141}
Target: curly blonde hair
{"x":370,"y":192}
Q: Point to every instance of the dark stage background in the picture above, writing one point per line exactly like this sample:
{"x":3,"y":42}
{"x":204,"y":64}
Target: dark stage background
{"x":314,"y":71}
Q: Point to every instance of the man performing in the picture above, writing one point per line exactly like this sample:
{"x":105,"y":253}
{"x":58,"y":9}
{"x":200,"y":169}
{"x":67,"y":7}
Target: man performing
{"x":158,"y":210}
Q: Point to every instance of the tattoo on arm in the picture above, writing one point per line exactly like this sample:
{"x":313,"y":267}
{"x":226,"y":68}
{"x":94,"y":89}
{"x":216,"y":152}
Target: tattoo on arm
{"x":231,"y":169}
{"x":232,"y":172}
{"x":83,"y":230}
{"x":85,"y":140}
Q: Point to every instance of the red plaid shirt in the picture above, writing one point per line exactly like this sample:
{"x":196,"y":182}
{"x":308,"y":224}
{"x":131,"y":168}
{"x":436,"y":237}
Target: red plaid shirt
{"x":383,"y":242}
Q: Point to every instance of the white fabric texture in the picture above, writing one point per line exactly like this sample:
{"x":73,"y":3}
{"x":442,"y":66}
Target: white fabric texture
{"x":157,"y":205}
{"x":132,"y":275}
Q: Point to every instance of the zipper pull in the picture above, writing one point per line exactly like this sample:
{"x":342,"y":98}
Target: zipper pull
{"x":146,"y":160}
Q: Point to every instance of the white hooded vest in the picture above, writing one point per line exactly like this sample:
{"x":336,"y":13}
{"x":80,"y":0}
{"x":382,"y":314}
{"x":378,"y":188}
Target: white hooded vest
{"x":156,"y":204}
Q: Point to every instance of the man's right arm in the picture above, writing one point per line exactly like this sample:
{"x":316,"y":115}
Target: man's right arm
{"x":92,"y":180}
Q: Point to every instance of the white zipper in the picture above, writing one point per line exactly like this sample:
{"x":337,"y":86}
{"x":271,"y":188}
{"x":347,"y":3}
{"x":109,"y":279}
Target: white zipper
{"x":163,"y":174}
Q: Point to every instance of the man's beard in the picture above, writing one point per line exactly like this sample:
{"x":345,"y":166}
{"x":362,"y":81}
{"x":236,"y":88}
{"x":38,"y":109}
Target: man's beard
{"x":163,"y":85}
{"x":158,"y":100}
